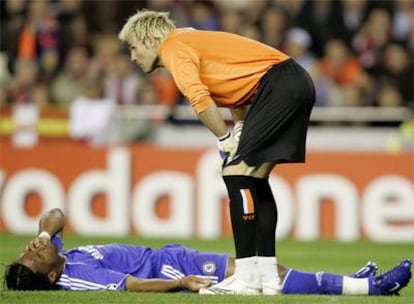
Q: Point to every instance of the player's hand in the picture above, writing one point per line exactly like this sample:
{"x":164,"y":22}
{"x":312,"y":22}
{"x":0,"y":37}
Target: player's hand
{"x":37,"y":242}
{"x":227,"y":147}
{"x":194,"y":283}
{"x":238,"y":127}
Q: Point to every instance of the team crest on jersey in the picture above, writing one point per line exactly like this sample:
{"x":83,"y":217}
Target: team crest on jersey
{"x":209,"y":267}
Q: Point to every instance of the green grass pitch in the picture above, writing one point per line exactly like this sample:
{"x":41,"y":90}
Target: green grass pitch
{"x":309,"y":256}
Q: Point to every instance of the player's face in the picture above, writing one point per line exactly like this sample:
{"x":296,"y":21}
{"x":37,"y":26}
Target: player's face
{"x":42,"y":259}
{"x":145,"y":55}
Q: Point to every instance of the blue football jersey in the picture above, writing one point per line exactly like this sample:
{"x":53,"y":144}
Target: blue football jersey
{"x":106,"y":267}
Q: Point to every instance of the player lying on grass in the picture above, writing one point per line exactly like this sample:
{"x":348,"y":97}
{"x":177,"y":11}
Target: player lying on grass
{"x":44,"y":266}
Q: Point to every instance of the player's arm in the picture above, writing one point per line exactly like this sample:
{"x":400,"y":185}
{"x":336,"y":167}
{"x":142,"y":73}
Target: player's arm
{"x":183,"y":62}
{"x":191,"y":283}
{"x":238,"y":114}
{"x":50,"y":224}
{"x":213,"y":120}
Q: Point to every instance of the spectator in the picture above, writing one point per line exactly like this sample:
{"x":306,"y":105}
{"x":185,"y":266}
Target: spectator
{"x":69,"y":16}
{"x":339,"y":64}
{"x":388,"y":96}
{"x":250,"y":31}
{"x":68,"y":83}
{"x":90,"y":115}
{"x":40,"y":33}
{"x":273,"y":26}
{"x":297,"y":45}
{"x":231,"y":21}
{"x":167,"y":91}
{"x":4,"y":98}
{"x":5,"y":78}
{"x":410,"y":40}
{"x":292,"y":8}
{"x":123,"y":82}
{"x":353,"y":15}
{"x":402,"y":17}
{"x":12,"y":20}
{"x":126,"y":129}
{"x":40,"y":96}
{"x":254,"y":11}
{"x":106,"y":50}
{"x":321,"y":19}
{"x":24,"y":79}
{"x":178,"y":9}
{"x":148,"y":95}
{"x":60,"y":47}
{"x":337,"y":69}
{"x":48,"y":45}
{"x":232,"y":6}
{"x":370,"y":41}
{"x":78,"y":35}
{"x":4,"y":73}
{"x":49,"y":65}
{"x":397,"y":71}
{"x":203,"y":16}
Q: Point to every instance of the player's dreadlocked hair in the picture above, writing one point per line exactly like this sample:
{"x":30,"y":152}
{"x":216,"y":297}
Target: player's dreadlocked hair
{"x":20,"y":277}
{"x":147,"y":23}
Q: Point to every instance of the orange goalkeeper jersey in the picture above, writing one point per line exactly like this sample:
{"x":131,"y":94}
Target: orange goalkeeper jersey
{"x":219,"y":67}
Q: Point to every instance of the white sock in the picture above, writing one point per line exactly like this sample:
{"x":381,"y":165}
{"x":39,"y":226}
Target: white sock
{"x":354,"y":286}
{"x":246,"y":269}
{"x":268,"y":269}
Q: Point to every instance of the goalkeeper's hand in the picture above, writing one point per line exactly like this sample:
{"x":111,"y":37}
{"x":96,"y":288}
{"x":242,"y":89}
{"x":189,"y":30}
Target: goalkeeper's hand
{"x":238,"y":127}
{"x":227,"y":146}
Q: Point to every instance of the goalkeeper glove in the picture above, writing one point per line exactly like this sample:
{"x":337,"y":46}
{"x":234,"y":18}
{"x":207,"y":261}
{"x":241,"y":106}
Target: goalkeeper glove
{"x":227,"y":146}
{"x":238,"y":127}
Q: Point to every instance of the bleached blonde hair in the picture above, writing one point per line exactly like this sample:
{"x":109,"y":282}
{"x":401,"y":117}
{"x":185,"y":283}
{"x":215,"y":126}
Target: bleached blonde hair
{"x":145,"y":23}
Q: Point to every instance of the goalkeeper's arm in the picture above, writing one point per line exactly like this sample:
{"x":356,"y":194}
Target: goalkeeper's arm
{"x":238,"y":115}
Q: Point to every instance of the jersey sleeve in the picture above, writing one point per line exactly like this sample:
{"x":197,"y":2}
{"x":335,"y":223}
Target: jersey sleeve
{"x":183,"y":62}
{"x":88,"y":277}
{"x":58,"y":242}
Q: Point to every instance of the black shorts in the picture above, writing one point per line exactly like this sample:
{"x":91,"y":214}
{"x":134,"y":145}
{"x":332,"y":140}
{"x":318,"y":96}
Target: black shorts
{"x":276,"y":124}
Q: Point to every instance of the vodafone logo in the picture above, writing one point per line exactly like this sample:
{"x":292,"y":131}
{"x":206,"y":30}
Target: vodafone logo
{"x":382,"y":209}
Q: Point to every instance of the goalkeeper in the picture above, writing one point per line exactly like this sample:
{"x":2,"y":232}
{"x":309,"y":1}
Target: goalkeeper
{"x":270,"y":98}
{"x":45,"y":266}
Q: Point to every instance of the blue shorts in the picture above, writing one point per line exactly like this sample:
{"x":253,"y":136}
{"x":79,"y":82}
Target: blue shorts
{"x":178,"y":261}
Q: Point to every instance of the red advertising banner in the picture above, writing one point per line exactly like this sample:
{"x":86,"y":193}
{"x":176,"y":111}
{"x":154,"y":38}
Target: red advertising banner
{"x":176,"y":192}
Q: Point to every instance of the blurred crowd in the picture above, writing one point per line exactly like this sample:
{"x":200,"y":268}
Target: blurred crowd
{"x":65,"y":53}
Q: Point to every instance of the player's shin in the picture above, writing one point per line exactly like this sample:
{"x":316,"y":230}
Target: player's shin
{"x":339,"y":284}
{"x":242,"y":193}
{"x":300,"y":282}
{"x":241,"y":190}
{"x":266,"y":236}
